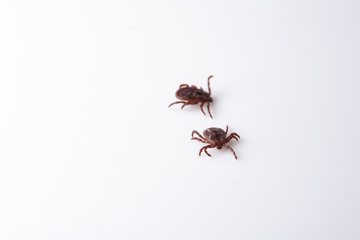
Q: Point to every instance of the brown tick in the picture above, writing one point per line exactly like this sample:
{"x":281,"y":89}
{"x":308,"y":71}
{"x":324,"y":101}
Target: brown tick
{"x":215,"y":137}
{"x":193,"y":95}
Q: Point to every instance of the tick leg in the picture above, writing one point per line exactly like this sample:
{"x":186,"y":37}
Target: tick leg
{"x":208,"y":107}
{"x":234,"y":135}
{"x":201,"y":107}
{"x":231,"y":136}
{"x":227,"y":128}
{"x":231,"y":151}
{"x":188,"y":103}
{"x":176,"y":103}
{"x":204,"y":148}
{"x":207,"y":152}
{"x":209,"y":84}
{"x":195,"y":132}
{"x":195,"y":138}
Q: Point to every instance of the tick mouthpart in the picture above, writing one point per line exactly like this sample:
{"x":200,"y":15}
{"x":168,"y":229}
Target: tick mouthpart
{"x":219,"y":147}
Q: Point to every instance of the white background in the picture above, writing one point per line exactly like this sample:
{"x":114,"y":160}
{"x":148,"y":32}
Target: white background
{"x":89,"y":149}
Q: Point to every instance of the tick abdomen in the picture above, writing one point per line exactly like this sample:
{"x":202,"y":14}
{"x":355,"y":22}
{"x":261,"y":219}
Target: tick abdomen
{"x":192,"y":94}
{"x":214,"y":134}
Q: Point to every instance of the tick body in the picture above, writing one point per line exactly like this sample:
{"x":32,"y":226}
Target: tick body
{"x":215,"y":138}
{"x":191,"y":95}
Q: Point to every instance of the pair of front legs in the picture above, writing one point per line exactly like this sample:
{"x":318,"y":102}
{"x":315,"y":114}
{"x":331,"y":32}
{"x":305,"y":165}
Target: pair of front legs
{"x":194,"y":103}
{"x":203,"y":140}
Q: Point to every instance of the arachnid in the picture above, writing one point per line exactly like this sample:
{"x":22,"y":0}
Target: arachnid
{"x":215,"y":137}
{"x":193,"y":95}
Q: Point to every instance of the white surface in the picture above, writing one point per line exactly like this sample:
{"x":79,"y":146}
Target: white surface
{"x":89,"y":149}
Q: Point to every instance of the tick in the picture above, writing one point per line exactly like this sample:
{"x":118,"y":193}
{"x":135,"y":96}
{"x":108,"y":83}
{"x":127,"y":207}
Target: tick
{"x":215,"y":137}
{"x":193,"y":95}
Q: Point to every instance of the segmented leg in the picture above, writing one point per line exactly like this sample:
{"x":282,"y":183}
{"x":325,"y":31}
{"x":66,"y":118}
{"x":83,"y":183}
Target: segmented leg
{"x":208,"y":107}
{"x":231,"y":136}
{"x":196,"y":132}
{"x":204,"y":148}
{"x":201,"y":107}
{"x":195,"y":138}
{"x":177,"y":103}
{"x":184,"y":105}
{"x":235,"y":135}
{"x":231,"y":151}
{"x":209,"y":83}
{"x":227,"y":128}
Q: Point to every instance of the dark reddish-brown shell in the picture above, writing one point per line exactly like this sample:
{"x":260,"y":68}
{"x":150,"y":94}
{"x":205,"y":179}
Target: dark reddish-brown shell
{"x":193,"y":94}
{"x":215,"y":135}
